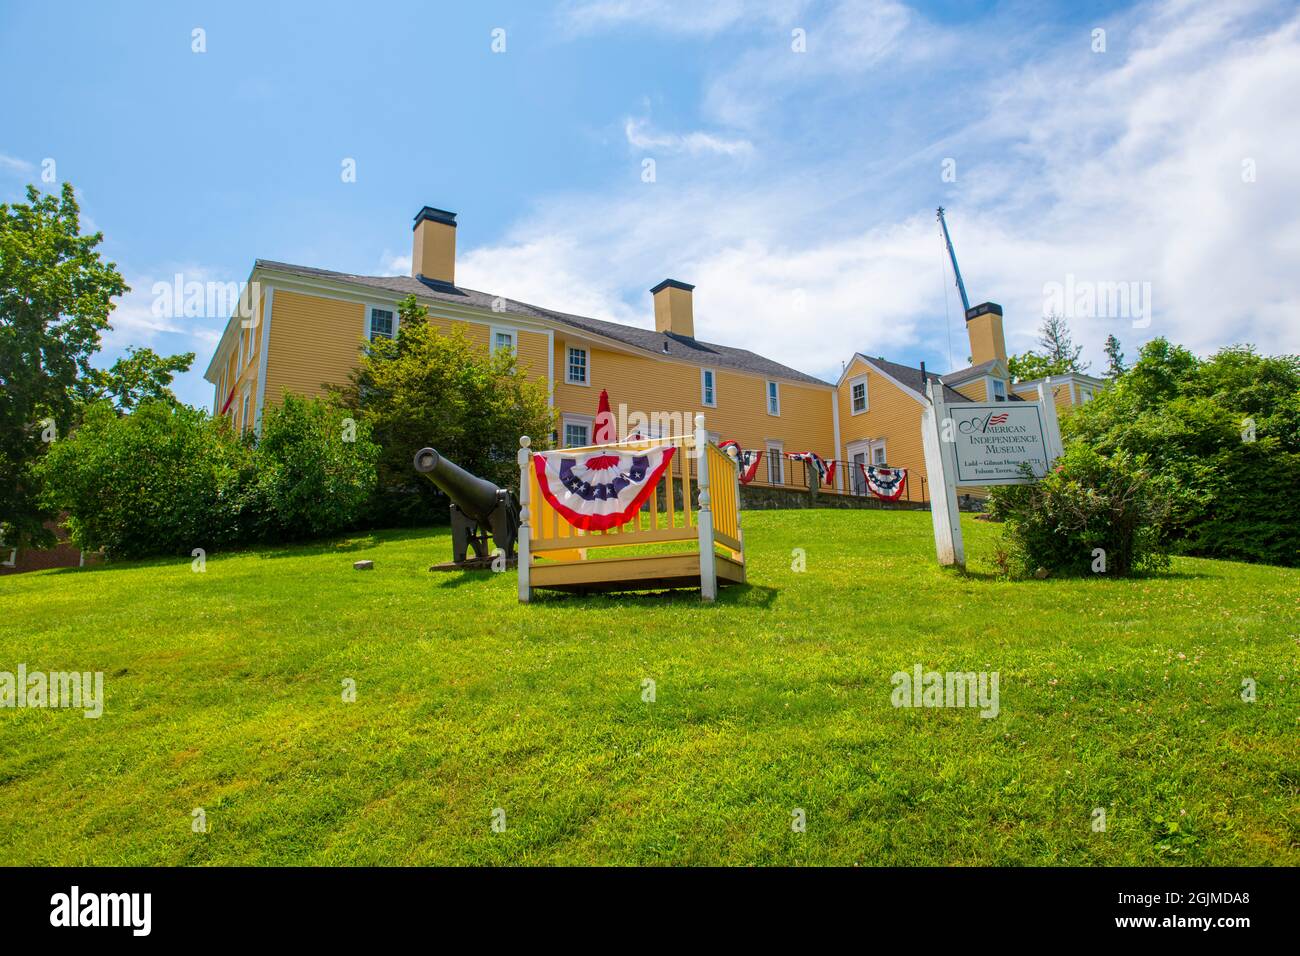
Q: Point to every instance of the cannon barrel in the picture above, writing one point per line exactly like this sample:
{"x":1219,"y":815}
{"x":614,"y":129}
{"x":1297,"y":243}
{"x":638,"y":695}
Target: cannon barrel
{"x":475,"y":496}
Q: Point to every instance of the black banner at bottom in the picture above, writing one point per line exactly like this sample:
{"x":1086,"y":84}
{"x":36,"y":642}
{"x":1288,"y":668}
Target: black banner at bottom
{"x":336,"y":905}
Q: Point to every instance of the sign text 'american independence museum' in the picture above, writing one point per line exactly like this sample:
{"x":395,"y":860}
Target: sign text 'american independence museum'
{"x":992,"y":442}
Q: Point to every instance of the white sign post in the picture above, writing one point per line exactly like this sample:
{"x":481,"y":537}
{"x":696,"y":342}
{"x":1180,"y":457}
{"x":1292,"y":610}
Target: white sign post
{"x":976,"y":444}
{"x":936,"y":442}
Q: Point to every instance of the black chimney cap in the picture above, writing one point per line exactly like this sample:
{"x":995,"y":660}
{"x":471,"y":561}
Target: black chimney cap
{"x":672,"y":284}
{"x":982,"y":309}
{"x":435,"y":215}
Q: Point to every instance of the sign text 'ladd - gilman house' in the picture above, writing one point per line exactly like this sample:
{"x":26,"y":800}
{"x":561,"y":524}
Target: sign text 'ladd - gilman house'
{"x":993,"y":441}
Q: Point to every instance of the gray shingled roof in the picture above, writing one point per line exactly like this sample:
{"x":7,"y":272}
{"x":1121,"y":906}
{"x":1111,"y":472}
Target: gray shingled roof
{"x":911,"y":377}
{"x":692,"y":350}
{"x":970,"y":372}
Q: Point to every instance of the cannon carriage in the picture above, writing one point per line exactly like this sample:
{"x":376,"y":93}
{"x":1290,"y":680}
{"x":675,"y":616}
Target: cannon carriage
{"x":480,"y":511}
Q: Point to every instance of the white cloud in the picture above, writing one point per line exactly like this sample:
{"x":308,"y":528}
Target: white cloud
{"x":12,"y":164}
{"x":146,"y":314}
{"x":1115,"y":167}
{"x":848,"y":40}
{"x":640,"y":135}
{"x":393,"y":264}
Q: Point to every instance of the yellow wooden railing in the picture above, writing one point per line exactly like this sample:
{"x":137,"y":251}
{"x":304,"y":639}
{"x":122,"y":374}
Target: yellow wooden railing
{"x":724,"y":490}
{"x":669,"y":514}
{"x":682,"y":508}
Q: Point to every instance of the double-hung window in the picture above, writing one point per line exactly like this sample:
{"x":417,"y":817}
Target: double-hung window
{"x":708,"y":388}
{"x":577,"y":366}
{"x":382,"y":324}
{"x":999,"y":390}
{"x":773,"y":398}
{"x":858,"y":395}
{"x":503,"y":339}
{"x":576,"y":434}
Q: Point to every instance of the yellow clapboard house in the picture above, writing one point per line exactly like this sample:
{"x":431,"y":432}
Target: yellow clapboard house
{"x":301,"y":329}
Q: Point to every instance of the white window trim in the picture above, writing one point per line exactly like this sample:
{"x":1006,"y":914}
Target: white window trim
{"x":259,"y":400}
{"x":568,"y":378}
{"x":514,"y":339}
{"x":866,"y":395}
{"x":587,"y":421}
{"x":872,"y":446}
{"x":703,"y":401}
{"x":767,"y":398}
{"x":243,"y":409}
{"x":397,"y":319}
{"x":775,"y":452}
{"x":991,"y":395}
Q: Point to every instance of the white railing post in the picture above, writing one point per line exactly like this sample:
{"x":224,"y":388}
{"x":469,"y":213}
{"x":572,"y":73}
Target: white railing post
{"x":525,"y":459}
{"x":740,"y":530}
{"x":708,"y":564}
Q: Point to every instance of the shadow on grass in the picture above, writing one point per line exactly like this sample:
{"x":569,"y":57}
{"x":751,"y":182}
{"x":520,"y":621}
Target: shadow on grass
{"x":456,"y":579}
{"x":734,"y":595}
{"x":346,"y":545}
{"x":967,"y":575}
{"x":359,"y":541}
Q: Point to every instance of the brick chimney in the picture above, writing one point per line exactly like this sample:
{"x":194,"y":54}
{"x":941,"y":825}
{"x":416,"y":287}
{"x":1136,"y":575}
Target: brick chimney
{"x":673,"y":309}
{"x":433,"y":250}
{"x":984,"y":327}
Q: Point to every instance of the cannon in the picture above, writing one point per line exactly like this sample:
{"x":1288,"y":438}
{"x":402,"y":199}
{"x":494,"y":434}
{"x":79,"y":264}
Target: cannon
{"x":479,"y":509}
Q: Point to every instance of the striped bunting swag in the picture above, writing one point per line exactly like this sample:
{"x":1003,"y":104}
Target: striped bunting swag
{"x":885,"y":483}
{"x":600,"y":489}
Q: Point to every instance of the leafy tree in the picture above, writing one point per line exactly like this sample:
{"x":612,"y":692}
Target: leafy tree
{"x":430,"y":388}
{"x":315,"y":469}
{"x":1223,"y":432}
{"x":1114,"y":357}
{"x":1058,"y":354}
{"x":167,"y":478}
{"x":163,"y":480}
{"x":1057,"y":345}
{"x":1090,"y":508}
{"x":55,"y":298}
{"x":141,"y":375}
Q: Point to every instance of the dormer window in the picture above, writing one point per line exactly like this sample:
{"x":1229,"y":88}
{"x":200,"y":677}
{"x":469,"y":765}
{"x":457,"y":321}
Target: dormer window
{"x":999,"y":390}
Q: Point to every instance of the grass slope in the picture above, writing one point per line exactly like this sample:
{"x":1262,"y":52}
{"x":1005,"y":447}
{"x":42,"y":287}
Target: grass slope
{"x":224,"y":692}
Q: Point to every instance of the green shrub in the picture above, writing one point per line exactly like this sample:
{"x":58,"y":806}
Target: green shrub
{"x":1221,"y":435}
{"x":429,"y":387}
{"x":167,"y":478}
{"x":1087,"y":502}
{"x":1248,"y":507}
{"x":161,"y":480}
{"x":315,"y":470}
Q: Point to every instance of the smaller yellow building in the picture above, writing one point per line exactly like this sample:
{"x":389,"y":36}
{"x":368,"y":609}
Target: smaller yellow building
{"x":300,"y":328}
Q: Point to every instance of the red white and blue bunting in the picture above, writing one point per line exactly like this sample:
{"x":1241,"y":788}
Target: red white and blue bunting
{"x":885,"y":483}
{"x":746,"y":459}
{"x":824,"y":471}
{"x":601,"y":489}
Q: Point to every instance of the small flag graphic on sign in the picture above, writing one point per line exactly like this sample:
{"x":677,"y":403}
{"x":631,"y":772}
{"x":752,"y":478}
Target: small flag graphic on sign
{"x":998,"y":419}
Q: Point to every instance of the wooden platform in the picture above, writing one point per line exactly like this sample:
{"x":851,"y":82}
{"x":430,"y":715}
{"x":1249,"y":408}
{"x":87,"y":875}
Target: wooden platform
{"x":654,"y":572}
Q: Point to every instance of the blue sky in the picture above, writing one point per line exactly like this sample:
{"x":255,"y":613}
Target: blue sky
{"x":795,"y":189}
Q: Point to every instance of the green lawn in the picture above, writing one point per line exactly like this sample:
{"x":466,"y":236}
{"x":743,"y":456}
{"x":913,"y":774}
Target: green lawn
{"x":224,"y":692}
